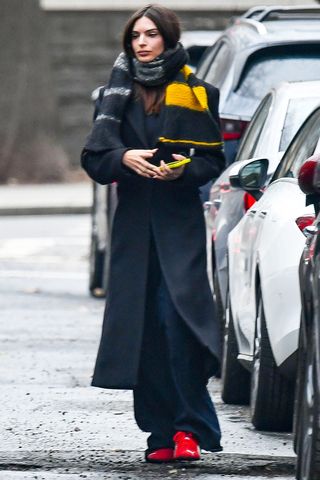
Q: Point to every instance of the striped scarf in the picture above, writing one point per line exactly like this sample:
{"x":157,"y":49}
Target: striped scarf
{"x":188,"y":122}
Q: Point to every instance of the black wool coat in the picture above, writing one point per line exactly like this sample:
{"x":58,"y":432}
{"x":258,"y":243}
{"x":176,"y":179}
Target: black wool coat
{"x":173,"y":210}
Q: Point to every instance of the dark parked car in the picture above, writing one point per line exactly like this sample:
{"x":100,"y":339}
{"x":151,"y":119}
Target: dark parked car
{"x":260,"y":49}
{"x":307,"y":402}
{"x":103,"y":208}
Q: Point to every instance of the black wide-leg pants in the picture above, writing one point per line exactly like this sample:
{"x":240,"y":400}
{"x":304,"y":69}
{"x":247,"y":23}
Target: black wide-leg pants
{"x":171,"y":394}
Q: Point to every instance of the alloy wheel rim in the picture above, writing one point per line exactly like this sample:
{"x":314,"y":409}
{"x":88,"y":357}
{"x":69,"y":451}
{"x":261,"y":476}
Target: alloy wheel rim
{"x":256,"y":359}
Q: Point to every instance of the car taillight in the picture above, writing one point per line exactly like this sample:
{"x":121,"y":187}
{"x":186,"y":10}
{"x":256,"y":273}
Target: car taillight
{"x":232,"y":129}
{"x":248,"y":201}
{"x":225,"y":187}
{"x":214,"y":235}
{"x":305,"y":221}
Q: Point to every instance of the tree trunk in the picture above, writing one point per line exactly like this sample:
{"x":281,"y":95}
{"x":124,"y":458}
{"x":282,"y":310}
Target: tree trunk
{"x":29,"y":146}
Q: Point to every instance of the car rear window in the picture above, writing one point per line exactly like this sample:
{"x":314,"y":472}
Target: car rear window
{"x":265,"y":71}
{"x":298,"y":110}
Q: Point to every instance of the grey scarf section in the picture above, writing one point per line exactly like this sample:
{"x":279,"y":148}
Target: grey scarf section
{"x":105,"y":133}
{"x":162,"y":69}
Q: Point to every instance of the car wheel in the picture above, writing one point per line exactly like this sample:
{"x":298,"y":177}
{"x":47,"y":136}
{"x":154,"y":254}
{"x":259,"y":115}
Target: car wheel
{"x":271,"y":396}
{"x":235,"y":378}
{"x":96,"y":269}
{"x":308,"y":444}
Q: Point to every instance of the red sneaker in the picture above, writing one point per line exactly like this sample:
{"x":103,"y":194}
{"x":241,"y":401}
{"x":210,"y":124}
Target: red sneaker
{"x":186,"y":447}
{"x":161,"y":455}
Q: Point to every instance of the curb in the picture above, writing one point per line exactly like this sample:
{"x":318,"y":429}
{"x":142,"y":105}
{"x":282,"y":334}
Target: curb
{"x":132,"y":462}
{"x":63,"y":210}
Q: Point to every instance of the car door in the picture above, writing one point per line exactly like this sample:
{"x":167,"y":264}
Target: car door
{"x":245,"y":237}
{"x":280,"y":245}
{"x":242,"y":257}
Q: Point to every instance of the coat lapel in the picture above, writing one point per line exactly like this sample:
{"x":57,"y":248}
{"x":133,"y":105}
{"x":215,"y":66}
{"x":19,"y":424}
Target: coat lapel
{"x":135,"y":117}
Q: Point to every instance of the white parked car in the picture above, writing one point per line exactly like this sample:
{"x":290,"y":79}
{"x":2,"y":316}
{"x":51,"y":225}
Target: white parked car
{"x":263,"y":300}
{"x":275,"y":122}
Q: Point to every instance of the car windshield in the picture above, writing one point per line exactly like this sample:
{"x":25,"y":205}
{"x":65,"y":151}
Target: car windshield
{"x":298,"y":110}
{"x":261,"y":74}
{"x":302,"y":146}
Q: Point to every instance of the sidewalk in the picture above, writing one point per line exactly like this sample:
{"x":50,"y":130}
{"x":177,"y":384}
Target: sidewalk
{"x":46,"y":199}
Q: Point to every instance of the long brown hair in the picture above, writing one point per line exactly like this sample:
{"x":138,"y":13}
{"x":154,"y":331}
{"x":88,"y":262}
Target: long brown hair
{"x":169,"y":28}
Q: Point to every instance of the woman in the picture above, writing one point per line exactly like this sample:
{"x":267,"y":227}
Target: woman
{"x":160,"y":335}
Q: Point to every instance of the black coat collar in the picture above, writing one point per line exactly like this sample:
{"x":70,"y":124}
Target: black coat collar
{"x":135,"y":116}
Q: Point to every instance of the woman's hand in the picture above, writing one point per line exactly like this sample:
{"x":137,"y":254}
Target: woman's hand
{"x":166,"y":173}
{"x":137,"y":161}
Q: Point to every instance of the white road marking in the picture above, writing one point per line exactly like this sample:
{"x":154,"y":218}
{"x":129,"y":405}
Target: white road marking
{"x":43,"y":274}
{"x":21,"y":247}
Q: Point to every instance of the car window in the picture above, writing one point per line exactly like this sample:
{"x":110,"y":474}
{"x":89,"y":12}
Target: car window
{"x":195,"y":53}
{"x":298,"y":110}
{"x":263,"y":71}
{"x":302,"y":147}
{"x":252,"y":135}
{"x":207,"y":59}
{"x":219,"y":65}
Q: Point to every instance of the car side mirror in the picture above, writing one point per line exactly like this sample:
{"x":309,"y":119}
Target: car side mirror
{"x":251,"y":176}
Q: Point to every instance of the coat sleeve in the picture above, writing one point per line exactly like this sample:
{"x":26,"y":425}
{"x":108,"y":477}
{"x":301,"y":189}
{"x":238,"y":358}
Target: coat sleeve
{"x":206,"y":165}
{"x":106,"y":166}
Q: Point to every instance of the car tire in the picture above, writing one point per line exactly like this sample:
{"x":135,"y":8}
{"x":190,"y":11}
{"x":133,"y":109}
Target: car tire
{"x":96,"y":269}
{"x":234,"y":377}
{"x":271,"y":394}
{"x":308,"y":441}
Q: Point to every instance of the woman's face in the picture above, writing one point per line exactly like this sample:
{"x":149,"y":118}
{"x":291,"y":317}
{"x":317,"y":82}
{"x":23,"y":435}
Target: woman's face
{"x":147,"y":42}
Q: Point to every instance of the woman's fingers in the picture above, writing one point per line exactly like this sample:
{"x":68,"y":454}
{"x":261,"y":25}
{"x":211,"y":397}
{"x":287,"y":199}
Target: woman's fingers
{"x":177,"y":156}
{"x":147,"y":153}
{"x":146,"y":167}
{"x":163,"y":172}
{"x":166,"y":173}
{"x":137,"y":161}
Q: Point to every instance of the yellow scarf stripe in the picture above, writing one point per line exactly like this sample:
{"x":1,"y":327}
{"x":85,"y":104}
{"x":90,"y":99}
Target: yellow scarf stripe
{"x":192,"y":142}
{"x":181,"y":95}
{"x":201,"y":94}
{"x":186,"y":71}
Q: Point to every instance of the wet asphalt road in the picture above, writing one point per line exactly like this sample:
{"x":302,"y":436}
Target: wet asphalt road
{"x":53,"y":425}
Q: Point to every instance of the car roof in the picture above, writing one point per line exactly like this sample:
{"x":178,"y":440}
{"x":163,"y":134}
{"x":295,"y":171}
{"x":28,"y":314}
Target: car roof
{"x":269,"y":24}
{"x":298,"y":89}
{"x":252,"y":33}
{"x":280,"y":12}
